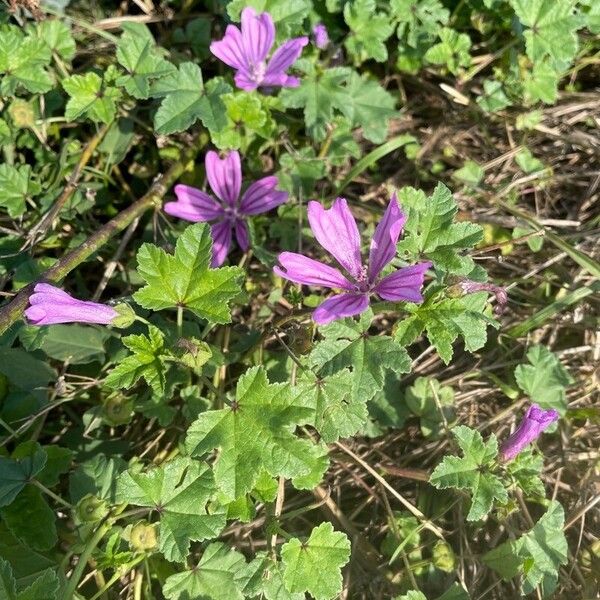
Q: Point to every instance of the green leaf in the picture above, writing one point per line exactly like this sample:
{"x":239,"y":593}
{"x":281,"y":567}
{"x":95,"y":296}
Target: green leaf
{"x":445,"y":320}
{"x":541,"y":83}
{"x":525,"y":470}
{"x":98,"y":477}
{"x":472,"y":472}
{"x":179,"y":491}
{"x":470,"y":173}
{"x":346,"y":343}
{"x":493,"y":98}
{"x":431,"y":402}
{"x":185,"y":99}
{"x":22,"y":61}
{"x":544,"y":380}
{"x":338,"y":412}
{"x":274,"y":586}
{"x":58,"y":460}
{"x":371,"y":107}
{"x":537,"y":555}
{"x":147,"y":361}
{"x":185,"y":278}
{"x":452,"y":51}
{"x":91,"y":97}
{"x":369,"y":31}
{"x":300,"y":170}
{"x":31,"y":520}
{"x":77,"y":344}
{"x":430,"y":230}
{"x":221,"y":574}
{"x":418,"y":20}
{"x":591,"y":13}
{"x":57,"y":36}
{"x":255,"y":434}
{"x":551,"y":28}
{"x":138,"y":55}
{"x":320,"y":94}
{"x":16,"y":186}
{"x":412,"y":595}
{"x":315,"y":565}
{"x":529,"y":164}
{"x":44,"y":587}
{"x":16,"y":473}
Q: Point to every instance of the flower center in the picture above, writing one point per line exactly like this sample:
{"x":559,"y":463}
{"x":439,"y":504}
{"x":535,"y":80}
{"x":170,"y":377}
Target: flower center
{"x":231,"y":213}
{"x":362,"y":281}
{"x":258,"y":71}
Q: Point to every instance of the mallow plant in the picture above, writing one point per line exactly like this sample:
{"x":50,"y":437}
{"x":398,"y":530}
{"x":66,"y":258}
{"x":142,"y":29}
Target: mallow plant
{"x":187,"y":366}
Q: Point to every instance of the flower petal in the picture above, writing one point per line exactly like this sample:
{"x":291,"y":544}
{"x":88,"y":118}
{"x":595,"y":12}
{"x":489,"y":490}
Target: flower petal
{"x":383,"y":244}
{"x":221,"y":236}
{"x":193,"y":205}
{"x":224,"y":176}
{"x":403,"y":284}
{"x":301,"y":269}
{"x":241,"y":234}
{"x":535,"y":421}
{"x":321,"y":36}
{"x":336,"y":230}
{"x":49,"y":305}
{"x":286,"y":55}
{"x":258,"y":35}
{"x":230,"y":49}
{"x":243,"y":81}
{"x":342,"y":305}
{"x":262,"y":196}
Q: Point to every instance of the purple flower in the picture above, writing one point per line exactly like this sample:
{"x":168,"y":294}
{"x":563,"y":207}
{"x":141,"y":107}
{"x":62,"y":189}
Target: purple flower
{"x":321,"y":36}
{"x":336,"y":230}
{"x":225,"y":179}
{"x":49,"y":305}
{"x":536,"y":420}
{"x":247,"y":50}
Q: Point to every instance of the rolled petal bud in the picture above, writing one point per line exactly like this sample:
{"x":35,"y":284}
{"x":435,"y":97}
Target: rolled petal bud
{"x":321,"y":36}
{"x":470,"y":287}
{"x":49,"y":305}
{"x":535,"y":421}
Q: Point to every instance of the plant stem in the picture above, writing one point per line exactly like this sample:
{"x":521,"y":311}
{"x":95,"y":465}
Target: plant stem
{"x":152,"y":199}
{"x":180,"y":321}
{"x":73,"y":581}
{"x":51,"y":494}
{"x":118,"y":574}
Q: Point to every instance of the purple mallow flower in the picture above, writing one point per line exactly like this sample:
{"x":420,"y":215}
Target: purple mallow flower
{"x":336,"y":230}
{"x":49,"y":305}
{"x":225,"y":179}
{"x":321,"y":36}
{"x":247,"y":50}
{"x":536,"y":420}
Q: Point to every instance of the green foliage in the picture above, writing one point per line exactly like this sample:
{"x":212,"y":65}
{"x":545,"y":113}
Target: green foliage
{"x":346,"y":344}
{"x":179,"y":491}
{"x":23,"y":62}
{"x":369,"y":31}
{"x":44,"y":587}
{"x":256,"y":433}
{"x":185,"y":100}
{"x":16,"y":187}
{"x":221,"y":574}
{"x":473,"y":472}
{"x":338,"y":412}
{"x":430,"y":230}
{"x":536,"y":556}
{"x":445,"y":320}
{"x":16,"y":473}
{"x":92,"y":97}
{"x":314,"y":566}
{"x":544,"y":379}
{"x":147,"y":361}
{"x":452,"y":51}
{"x":551,"y":28}
{"x":138,"y":55}
{"x":418,"y":20}
{"x":185,"y":278}
{"x":493,"y":98}
{"x":432,"y":403}
{"x":324,"y":94}
{"x":288,"y":15}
